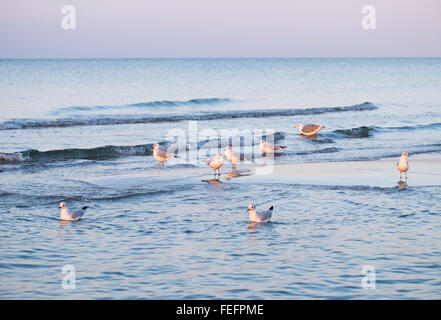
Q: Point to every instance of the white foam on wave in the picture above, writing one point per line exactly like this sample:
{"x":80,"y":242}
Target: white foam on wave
{"x":12,"y":158}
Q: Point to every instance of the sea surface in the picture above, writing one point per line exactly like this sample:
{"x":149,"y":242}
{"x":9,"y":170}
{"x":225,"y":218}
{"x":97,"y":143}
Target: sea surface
{"x":81,"y":131}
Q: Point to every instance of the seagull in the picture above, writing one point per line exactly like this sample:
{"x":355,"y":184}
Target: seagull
{"x":402,"y":164}
{"x":160,"y":154}
{"x":232,"y":156}
{"x":71,"y":215}
{"x":309,"y":129}
{"x":267,"y":147}
{"x":263,"y":216}
{"x":216,"y":162}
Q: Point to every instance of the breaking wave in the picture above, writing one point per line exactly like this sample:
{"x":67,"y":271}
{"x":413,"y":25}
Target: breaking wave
{"x":70,"y":154}
{"x":360,"y":132}
{"x":368,"y":131}
{"x":133,"y":119}
{"x":149,"y":104}
{"x":108,"y":152}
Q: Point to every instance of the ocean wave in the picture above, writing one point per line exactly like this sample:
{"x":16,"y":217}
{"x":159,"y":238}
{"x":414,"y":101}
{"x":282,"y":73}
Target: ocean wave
{"x":16,"y":157}
{"x":134,"y":119}
{"x":108,"y":152}
{"x":74,"y":153}
{"x":368,"y":131}
{"x":239,"y":141}
{"x":358,"y":133}
{"x":149,"y":104}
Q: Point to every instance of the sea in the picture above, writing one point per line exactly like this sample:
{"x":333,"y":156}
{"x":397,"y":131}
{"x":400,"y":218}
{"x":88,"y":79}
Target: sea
{"x":81,"y":131}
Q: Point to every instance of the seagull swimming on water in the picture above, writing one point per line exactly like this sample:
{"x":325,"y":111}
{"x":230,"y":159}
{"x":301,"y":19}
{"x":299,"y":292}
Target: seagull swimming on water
{"x":160,"y":154}
{"x":232,"y":156}
{"x":267,"y":147}
{"x":216,"y":162}
{"x":262,"y":216}
{"x":309,"y":129}
{"x":71,"y":215}
{"x":402,"y":164}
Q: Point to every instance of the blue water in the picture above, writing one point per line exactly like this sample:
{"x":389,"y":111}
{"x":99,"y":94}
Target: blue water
{"x":81,"y":131}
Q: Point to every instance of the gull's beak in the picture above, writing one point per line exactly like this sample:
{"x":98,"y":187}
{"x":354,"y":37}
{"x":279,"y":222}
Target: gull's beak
{"x":248,"y":209}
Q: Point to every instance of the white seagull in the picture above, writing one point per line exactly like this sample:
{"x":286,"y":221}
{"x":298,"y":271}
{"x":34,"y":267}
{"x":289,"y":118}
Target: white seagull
{"x":267,"y":147}
{"x":216,"y":162}
{"x":71,"y":215}
{"x":263,"y":216}
{"x":160,"y":154}
{"x":309,"y":129}
{"x":232,"y":156}
{"x":402,"y":164}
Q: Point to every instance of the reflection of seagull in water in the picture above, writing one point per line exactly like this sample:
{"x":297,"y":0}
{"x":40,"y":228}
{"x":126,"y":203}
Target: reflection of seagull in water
{"x":212,"y":181}
{"x":402,"y":164}
{"x":160,"y":154}
{"x":216,"y":162}
{"x":238,"y":173}
{"x":232,"y":156}
{"x":402,"y":184}
{"x":267,"y":147}
{"x":309,"y":129}
{"x":263,"y":216}
{"x":71,"y":215}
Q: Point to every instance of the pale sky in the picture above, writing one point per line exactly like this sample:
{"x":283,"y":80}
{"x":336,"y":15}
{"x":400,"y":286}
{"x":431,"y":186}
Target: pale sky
{"x":221,"y":28}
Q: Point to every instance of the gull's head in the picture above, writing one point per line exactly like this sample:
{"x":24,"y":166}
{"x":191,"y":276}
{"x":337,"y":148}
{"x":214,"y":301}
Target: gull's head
{"x":62,"y":205}
{"x":262,"y":141}
{"x":298,"y":125}
{"x":405,"y":155}
{"x":251,"y":207}
{"x":155,"y":146}
{"x":227,"y":148}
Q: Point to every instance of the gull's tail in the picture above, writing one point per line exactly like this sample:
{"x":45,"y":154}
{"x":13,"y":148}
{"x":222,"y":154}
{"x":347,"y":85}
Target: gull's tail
{"x":282,"y":147}
{"x":271,"y":208}
{"x":84,"y":208}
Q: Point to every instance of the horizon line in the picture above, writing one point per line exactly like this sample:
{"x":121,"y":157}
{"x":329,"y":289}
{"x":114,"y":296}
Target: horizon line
{"x":213,"y":58}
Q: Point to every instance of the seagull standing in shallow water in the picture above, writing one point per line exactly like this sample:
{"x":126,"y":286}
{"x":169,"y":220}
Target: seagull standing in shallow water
{"x":402,"y":164}
{"x":232,"y":156}
{"x":309,"y":129}
{"x":216,"y":162}
{"x":263,"y":216}
{"x":71,"y":215}
{"x":267,"y":147}
{"x":160,"y":154}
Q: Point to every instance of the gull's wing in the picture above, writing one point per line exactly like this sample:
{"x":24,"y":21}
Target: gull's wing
{"x":265,"y":215}
{"x":310,"y":128}
{"x":161,"y":153}
{"x":232,"y":156}
{"x":235,"y":157}
{"x":76,"y":214}
{"x":270,"y":146}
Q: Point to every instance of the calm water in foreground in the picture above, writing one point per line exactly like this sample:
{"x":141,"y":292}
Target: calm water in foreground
{"x":81,"y":131}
